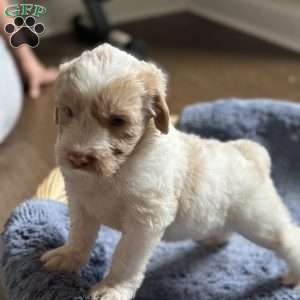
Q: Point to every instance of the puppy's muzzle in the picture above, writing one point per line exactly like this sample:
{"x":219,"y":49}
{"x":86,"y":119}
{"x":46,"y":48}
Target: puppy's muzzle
{"x":80,"y":160}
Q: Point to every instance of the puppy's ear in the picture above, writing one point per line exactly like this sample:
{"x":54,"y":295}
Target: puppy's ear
{"x":155,"y":83}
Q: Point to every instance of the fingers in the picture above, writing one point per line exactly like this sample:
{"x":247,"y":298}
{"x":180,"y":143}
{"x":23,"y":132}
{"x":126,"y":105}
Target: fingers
{"x":34,"y":88}
{"x":50,"y":75}
{"x":46,"y":76}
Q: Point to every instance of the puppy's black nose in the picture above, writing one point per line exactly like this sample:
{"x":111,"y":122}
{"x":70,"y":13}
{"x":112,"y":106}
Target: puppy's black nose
{"x":80,"y":160}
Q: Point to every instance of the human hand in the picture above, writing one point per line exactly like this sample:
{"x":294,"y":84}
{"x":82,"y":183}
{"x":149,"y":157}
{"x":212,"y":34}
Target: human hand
{"x":34,"y":73}
{"x":37,"y":75}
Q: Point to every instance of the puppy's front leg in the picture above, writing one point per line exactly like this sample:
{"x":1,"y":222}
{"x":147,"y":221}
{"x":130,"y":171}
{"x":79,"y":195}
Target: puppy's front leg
{"x":129,"y":263}
{"x":75,"y":252}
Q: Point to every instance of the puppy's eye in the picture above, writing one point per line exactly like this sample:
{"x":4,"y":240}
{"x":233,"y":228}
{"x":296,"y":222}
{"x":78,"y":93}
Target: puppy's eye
{"x":117,"y":121}
{"x":67,"y":111}
{"x":56,"y":116}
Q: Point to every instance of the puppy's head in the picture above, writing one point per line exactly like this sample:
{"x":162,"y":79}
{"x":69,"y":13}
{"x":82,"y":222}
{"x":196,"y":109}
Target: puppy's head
{"x":105,"y":100}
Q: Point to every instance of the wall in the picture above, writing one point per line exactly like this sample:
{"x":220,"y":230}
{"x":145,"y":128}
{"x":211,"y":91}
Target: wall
{"x":60,"y":12}
{"x":277,"y":21}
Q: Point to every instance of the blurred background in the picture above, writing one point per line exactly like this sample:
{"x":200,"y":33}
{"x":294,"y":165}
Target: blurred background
{"x":210,"y":49}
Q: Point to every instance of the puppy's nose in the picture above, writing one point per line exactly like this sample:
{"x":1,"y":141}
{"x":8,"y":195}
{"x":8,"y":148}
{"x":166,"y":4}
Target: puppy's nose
{"x":80,"y":160}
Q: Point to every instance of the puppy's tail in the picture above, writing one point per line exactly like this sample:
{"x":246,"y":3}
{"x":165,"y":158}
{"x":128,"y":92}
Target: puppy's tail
{"x":257,"y":153}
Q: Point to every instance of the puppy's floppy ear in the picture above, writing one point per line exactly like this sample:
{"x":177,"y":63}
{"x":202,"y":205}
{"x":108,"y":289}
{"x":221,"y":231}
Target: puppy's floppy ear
{"x":155,"y":83}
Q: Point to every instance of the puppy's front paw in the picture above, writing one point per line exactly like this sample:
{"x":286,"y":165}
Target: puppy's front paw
{"x":62,"y":259}
{"x":290,"y":279}
{"x":106,"y":292}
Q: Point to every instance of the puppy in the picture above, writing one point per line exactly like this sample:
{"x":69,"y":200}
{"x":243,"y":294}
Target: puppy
{"x":127,"y":167}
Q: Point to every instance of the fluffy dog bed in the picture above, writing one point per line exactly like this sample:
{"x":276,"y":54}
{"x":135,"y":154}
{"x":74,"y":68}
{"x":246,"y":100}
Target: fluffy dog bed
{"x":184,"y":270}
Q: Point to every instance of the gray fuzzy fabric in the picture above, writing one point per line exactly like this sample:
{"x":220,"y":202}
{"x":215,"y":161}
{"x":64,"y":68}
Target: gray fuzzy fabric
{"x":185,"y":270}
{"x":33,"y":228}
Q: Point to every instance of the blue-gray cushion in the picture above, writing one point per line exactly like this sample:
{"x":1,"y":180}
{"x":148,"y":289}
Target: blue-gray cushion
{"x":183,"y":270}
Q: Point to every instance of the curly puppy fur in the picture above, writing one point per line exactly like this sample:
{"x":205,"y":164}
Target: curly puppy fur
{"x":127,"y":167}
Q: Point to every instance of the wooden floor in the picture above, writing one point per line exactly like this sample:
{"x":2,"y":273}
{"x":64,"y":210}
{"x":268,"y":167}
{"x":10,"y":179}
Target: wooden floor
{"x":204,"y":61}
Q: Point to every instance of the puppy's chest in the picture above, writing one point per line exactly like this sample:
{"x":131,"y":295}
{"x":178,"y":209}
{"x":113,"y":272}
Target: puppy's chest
{"x":106,"y":202}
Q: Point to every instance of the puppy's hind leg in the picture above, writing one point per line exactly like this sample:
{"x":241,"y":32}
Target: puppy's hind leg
{"x":265,"y":220}
{"x":290,"y":251}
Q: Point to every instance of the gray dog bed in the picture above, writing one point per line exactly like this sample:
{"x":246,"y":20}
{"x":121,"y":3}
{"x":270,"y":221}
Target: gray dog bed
{"x":184,"y":270}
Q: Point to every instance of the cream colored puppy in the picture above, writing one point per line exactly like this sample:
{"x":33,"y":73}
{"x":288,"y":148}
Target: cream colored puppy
{"x":125,"y":166}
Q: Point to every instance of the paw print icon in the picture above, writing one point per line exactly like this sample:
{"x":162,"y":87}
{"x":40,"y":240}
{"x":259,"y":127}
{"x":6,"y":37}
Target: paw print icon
{"x":24,"y":31}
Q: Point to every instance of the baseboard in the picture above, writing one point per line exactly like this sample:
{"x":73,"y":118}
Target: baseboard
{"x":274,"y":21}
